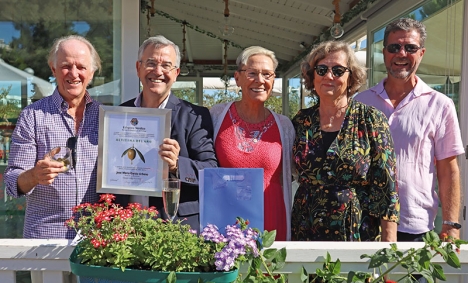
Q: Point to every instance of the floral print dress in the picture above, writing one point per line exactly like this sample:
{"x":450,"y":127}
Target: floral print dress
{"x":346,"y":189}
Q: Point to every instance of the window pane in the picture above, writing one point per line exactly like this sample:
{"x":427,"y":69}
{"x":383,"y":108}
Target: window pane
{"x":215,"y":91}
{"x":27,"y":31}
{"x":294,"y":94}
{"x":186,"y":90}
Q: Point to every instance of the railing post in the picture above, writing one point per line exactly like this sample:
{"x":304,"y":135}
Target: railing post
{"x":55,"y":276}
{"x":8,"y":276}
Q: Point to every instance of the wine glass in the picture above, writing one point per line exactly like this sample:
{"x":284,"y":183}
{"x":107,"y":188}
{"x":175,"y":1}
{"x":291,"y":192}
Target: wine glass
{"x":61,"y":154}
{"x":171,"y":195}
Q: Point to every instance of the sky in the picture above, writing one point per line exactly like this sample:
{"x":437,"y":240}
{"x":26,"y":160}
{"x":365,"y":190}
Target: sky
{"x":8,"y":31}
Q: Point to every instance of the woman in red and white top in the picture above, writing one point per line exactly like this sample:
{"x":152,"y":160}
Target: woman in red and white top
{"x":249,"y":135}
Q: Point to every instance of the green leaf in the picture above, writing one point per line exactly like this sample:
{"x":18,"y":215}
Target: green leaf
{"x":337,"y":267}
{"x":365,"y":256}
{"x":459,"y":242}
{"x":304,"y":275}
{"x":453,"y":260}
{"x":442,"y":252}
{"x":432,"y":238}
{"x":171,"y":278}
{"x":377,"y":260}
{"x":269,"y":253}
{"x":281,"y":255}
{"x":438,"y":272}
{"x":269,"y":238}
{"x":428,"y":275}
{"x":425,"y":259}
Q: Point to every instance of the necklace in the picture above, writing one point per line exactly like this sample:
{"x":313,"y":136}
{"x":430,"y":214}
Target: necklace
{"x":256,"y":135}
{"x":248,"y":139}
{"x":340,"y":111}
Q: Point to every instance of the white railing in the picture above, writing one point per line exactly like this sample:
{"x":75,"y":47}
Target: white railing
{"x":51,"y":258}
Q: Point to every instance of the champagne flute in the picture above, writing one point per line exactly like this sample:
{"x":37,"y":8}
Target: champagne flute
{"x":61,"y":154}
{"x":171,"y":195}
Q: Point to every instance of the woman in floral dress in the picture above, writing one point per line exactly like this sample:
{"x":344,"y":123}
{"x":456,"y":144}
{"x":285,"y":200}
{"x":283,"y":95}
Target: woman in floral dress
{"x":344,"y":155}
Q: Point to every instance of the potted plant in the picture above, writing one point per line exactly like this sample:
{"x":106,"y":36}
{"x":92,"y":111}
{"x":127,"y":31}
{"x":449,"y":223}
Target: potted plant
{"x":132,"y":245}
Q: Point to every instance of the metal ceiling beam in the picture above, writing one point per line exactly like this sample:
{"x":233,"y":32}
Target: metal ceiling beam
{"x":321,"y":4}
{"x":211,"y":25}
{"x":280,"y":44}
{"x":208,"y":12}
{"x":285,"y":11}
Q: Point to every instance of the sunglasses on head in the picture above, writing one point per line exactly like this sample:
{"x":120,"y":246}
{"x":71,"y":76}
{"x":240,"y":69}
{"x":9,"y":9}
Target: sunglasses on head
{"x":337,"y":71}
{"x":409,"y":48}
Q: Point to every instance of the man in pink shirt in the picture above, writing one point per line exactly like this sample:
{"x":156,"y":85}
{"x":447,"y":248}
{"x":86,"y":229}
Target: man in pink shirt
{"x":426,"y":133}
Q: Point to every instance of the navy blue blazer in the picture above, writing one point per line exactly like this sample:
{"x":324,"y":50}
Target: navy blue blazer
{"x":192,"y":128}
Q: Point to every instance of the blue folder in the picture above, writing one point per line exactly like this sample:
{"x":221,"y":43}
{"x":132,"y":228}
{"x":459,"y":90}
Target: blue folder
{"x":228,"y":193}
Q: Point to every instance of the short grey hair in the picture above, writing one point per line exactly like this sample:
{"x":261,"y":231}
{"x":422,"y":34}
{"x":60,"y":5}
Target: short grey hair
{"x":157,"y":42}
{"x":255,"y":50}
{"x":406,"y":24}
{"x":95,"y":59}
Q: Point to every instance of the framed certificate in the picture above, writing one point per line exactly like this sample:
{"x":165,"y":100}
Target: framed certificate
{"x":128,"y":158}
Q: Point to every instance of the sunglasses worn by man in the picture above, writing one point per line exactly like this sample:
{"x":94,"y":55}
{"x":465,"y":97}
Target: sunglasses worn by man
{"x":337,"y":71}
{"x":409,"y":48}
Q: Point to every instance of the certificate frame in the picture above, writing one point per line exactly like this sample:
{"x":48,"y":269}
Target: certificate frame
{"x":128,"y":151}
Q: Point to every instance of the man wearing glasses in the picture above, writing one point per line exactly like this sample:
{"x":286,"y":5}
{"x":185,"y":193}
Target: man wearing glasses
{"x":425,"y":129}
{"x":190,"y":147}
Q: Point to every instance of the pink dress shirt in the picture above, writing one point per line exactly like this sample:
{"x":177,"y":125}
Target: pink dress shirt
{"x":425,"y":128}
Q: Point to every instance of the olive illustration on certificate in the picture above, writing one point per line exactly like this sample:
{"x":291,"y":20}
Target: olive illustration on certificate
{"x":130,"y":153}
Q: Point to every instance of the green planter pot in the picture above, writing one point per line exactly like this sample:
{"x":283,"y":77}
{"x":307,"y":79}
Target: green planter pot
{"x":100,"y":274}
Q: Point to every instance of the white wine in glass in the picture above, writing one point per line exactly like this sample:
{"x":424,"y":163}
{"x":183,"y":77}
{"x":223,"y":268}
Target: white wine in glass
{"x":171,"y":195}
{"x":61,"y":154}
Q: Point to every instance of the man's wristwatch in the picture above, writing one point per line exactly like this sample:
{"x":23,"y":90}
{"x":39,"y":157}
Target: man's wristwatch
{"x":453,"y":224}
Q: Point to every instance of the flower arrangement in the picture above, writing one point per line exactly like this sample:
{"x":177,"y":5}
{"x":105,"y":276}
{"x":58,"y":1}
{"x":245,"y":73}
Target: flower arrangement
{"x":134,"y":237}
{"x":415,"y":261}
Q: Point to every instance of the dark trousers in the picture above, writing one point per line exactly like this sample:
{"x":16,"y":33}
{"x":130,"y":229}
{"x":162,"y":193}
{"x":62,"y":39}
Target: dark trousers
{"x":406,"y":237}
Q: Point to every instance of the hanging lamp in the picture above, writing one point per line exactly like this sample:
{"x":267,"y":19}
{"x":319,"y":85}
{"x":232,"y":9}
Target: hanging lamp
{"x":336,"y":31}
{"x":225,"y":28}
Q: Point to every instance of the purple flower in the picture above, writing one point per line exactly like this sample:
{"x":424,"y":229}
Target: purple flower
{"x":238,"y":242}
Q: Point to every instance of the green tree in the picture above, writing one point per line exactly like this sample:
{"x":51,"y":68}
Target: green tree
{"x":31,"y":48}
{"x":219,"y":96}
{"x":8,"y":109}
{"x":43,"y":26}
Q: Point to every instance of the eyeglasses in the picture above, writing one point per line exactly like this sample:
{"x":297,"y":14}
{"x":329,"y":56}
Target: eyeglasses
{"x":337,"y":71}
{"x":71,"y":144}
{"x":151,"y":65}
{"x":409,"y":48}
{"x":252,"y":74}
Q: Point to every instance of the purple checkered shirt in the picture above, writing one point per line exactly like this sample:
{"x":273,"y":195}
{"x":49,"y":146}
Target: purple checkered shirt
{"x":42,"y":126}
